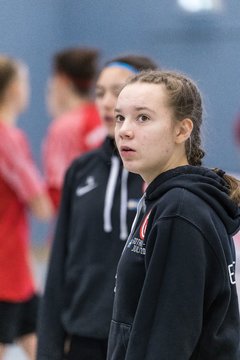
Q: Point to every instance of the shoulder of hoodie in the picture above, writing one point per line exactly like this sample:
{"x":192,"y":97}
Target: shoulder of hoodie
{"x":89,"y":159}
{"x":184,"y":204}
{"x":181,"y":205}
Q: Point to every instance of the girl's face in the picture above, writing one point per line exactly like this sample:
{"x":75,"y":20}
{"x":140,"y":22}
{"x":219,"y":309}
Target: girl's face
{"x":148,"y":139}
{"x":108,"y":87}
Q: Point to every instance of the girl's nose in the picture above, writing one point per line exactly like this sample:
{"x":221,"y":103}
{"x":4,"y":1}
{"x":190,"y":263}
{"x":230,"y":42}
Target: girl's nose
{"x":126,"y":129}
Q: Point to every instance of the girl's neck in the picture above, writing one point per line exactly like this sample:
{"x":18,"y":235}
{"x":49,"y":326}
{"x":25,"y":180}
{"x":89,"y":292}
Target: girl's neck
{"x":76,"y":101}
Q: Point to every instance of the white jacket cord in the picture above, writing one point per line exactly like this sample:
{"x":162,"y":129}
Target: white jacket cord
{"x":111,"y":185}
{"x":124,"y":205}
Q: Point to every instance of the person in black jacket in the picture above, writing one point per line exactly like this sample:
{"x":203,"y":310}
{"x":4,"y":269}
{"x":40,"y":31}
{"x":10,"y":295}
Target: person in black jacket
{"x":176,"y":295}
{"x":98,"y":206}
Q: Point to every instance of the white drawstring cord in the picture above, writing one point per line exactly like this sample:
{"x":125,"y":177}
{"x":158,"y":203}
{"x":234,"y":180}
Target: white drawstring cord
{"x":123,"y":208}
{"x":111,"y":185}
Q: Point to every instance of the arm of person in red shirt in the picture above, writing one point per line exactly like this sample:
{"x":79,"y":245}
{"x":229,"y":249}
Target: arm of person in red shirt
{"x":41,"y":207}
{"x":58,"y":150}
{"x":20,"y":172}
{"x":55,"y":196}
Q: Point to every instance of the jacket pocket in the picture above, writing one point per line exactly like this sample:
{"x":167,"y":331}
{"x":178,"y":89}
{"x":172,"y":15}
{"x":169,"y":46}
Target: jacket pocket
{"x":118,"y":340}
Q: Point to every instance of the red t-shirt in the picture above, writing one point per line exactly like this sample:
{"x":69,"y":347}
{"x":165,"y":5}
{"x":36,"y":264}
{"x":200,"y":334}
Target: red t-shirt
{"x":20,"y":181}
{"x":69,"y":136}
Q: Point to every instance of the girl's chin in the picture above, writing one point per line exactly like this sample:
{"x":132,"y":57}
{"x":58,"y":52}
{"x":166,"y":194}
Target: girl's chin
{"x":130,"y":168}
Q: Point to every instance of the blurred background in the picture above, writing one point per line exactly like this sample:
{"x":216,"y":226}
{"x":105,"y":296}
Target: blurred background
{"x":198,"y":37}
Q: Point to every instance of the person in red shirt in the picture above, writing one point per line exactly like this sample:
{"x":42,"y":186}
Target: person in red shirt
{"x":76,"y":127}
{"x":22,"y":190}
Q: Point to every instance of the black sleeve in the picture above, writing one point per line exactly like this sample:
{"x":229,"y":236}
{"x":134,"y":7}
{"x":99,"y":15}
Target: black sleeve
{"x":51,"y":336}
{"x":169,"y":316}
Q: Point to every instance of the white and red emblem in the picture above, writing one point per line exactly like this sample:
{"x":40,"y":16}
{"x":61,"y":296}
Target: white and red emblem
{"x":143,"y":227}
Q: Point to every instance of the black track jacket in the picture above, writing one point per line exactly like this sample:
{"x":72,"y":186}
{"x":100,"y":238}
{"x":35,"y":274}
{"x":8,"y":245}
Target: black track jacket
{"x":97,"y":209}
{"x":176,"y":295}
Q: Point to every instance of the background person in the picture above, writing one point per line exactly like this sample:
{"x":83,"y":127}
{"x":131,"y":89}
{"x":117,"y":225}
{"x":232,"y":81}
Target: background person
{"x":76,"y":126}
{"x":22,"y":190}
{"x":176,"y":292}
{"x":97,"y":209}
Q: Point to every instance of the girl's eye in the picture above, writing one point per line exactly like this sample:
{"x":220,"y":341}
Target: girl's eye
{"x":143,"y":118}
{"x":99,"y":94}
{"x":119,"y":118}
{"x":116,"y":91}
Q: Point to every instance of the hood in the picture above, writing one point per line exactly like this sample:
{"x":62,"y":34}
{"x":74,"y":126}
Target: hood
{"x":206,"y":184}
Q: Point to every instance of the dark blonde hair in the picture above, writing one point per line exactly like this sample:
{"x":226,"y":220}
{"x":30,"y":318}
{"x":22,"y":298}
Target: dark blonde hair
{"x":8,"y":72}
{"x":185,"y":101}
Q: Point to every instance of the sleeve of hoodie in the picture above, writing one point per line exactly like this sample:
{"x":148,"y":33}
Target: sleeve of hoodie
{"x":170,"y":311}
{"x":51,"y":334}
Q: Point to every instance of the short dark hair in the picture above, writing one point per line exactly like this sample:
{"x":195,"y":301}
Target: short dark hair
{"x":79,"y":65}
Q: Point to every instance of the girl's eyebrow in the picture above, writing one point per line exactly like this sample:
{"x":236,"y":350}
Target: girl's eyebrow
{"x":137,"y":108}
{"x":141,"y":108}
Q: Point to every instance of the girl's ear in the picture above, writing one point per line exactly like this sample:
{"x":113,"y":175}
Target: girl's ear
{"x":183,"y":130}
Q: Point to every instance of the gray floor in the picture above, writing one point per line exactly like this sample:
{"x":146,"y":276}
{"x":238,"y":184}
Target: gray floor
{"x":15,"y":353}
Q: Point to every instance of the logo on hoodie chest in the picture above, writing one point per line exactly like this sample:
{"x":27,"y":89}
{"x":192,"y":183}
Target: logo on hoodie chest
{"x":137,"y":244}
{"x":143,"y":226}
{"x":89,"y":185}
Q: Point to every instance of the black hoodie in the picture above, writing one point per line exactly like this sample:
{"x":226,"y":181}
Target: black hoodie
{"x":176,"y":296}
{"x":97,"y":209}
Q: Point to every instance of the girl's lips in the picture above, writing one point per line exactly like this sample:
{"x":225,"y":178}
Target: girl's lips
{"x":126,"y":151}
{"x":126,"y":148}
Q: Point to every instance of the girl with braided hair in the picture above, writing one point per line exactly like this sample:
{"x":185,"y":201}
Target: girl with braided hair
{"x":175,"y":295}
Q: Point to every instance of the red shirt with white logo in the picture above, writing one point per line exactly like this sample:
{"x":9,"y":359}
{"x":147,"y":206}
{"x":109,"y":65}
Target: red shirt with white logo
{"x":20,"y":181}
{"x":69,"y":136}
